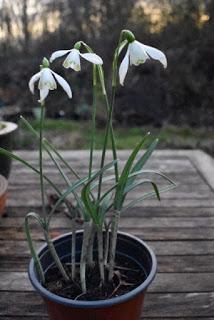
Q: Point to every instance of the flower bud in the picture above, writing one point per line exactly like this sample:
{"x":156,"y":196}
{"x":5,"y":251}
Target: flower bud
{"x":128,"y":35}
{"x":77,"y":45}
{"x":45,"y":63}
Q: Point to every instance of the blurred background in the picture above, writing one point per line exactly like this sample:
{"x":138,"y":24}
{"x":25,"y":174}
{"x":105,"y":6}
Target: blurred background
{"x":176,"y":103}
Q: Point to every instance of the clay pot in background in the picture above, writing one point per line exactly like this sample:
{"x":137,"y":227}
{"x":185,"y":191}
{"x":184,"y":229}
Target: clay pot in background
{"x":3,"y":194}
{"x":7,"y":130}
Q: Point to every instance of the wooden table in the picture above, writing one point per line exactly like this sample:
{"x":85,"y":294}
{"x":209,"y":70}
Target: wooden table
{"x":180,"y":229}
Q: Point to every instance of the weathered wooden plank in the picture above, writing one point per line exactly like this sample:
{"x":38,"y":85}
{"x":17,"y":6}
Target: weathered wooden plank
{"x":205,"y":165}
{"x":142,"y":212}
{"x":14,"y":264}
{"x":75,"y":156}
{"x":181,"y":305}
{"x":183,"y":178}
{"x":185,"y":264}
{"x":164,"y":282}
{"x":181,"y":187}
{"x":130,"y":222}
{"x":158,"y":234}
{"x":33,"y":199}
{"x":167,"y":305}
{"x":182,"y":247}
{"x":170,"y":248}
{"x":178,"y":193}
{"x":80,"y":153}
{"x":181,"y":154}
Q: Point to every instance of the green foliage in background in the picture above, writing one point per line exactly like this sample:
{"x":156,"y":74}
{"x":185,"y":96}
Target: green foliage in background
{"x":75,"y":135}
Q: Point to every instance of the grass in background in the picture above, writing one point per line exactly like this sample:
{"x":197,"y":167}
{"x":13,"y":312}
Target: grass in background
{"x":67,"y":134}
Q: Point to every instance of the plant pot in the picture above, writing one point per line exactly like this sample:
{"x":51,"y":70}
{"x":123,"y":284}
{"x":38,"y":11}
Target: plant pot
{"x":125,"y":307}
{"x":6,"y":142}
{"x":3,"y":194}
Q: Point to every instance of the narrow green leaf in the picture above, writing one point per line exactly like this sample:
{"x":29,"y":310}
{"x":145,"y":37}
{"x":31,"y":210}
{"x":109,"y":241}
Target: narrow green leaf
{"x":143,"y":159}
{"x":38,"y":218}
{"x":137,"y":184}
{"x":152,"y":172}
{"x":148,"y":195}
{"x":103,"y":208}
{"x":34,"y":255}
{"x":70,"y":190}
{"x":107,"y":192}
{"x":125,"y":173}
{"x":90,"y":205}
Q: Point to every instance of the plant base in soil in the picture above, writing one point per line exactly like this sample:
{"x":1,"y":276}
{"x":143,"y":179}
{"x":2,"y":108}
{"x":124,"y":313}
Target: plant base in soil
{"x":127,"y":276}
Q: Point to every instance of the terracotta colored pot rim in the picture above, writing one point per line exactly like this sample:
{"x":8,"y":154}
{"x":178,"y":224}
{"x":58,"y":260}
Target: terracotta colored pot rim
{"x":3,"y":185}
{"x":8,"y":127}
{"x":101,"y":303}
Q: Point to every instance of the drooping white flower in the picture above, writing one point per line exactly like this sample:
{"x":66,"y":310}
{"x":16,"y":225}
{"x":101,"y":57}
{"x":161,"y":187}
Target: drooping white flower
{"x":48,"y":81}
{"x":73,"y":58}
{"x":136,"y":54}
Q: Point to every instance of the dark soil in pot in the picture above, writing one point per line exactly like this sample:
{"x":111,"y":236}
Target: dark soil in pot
{"x":128,"y":275}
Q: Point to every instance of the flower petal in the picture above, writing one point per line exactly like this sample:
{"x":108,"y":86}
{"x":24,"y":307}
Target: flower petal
{"x":73,"y":60}
{"x":92,"y":57}
{"x":156,"y":54}
{"x":47,"y":80}
{"x":124,"y":67}
{"x":58,"y":54}
{"x":63,"y":83}
{"x":32,"y":81}
{"x":138,"y":54}
{"x":43,"y":93}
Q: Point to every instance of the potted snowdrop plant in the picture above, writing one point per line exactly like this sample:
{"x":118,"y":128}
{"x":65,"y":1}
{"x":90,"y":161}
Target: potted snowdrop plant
{"x":97,"y":272}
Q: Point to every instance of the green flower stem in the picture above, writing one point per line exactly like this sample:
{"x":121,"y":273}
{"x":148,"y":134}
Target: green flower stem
{"x":46,"y":144}
{"x":40,"y":156}
{"x":106,"y":254}
{"x":100,"y":254}
{"x":109,"y":129}
{"x":91,"y":244}
{"x":55,"y":256}
{"x":63,"y":160}
{"x":73,"y":224}
{"x":114,"y":149}
{"x":66,"y":179}
{"x":116,"y":216}
{"x":33,"y":252}
{"x":102,"y":82}
{"x":115,"y":64}
{"x":73,"y":249}
{"x":108,"y":126}
{"x":93,"y":119}
{"x":112,"y":253}
{"x":64,"y":176}
{"x":83,"y":259}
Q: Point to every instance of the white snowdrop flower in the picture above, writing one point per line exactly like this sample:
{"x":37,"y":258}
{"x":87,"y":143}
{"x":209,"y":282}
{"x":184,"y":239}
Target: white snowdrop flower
{"x":48,"y":81}
{"x":73,"y":58}
{"x":136,"y":54}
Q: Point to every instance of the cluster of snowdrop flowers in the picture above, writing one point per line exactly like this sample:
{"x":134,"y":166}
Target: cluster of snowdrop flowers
{"x":48,"y":78}
{"x":137,"y":53}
